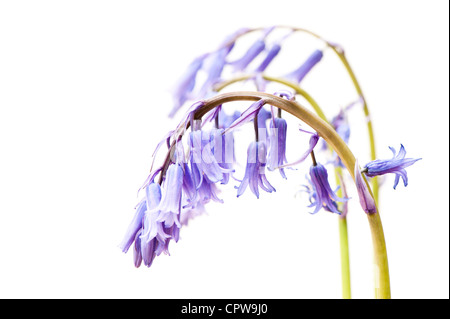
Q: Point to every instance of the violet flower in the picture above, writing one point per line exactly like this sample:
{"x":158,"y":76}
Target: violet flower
{"x":134,"y":227}
{"x":396,"y":165}
{"x":273,"y":52}
{"x":277,"y":145}
{"x":365,"y":198}
{"x":186,"y":84}
{"x":170,"y":204}
{"x":249,"y":56}
{"x":306,"y":67}
{"x":203,"y":161}
{"x":255,"y":170}
{"x":223,"y":150}
{"x":322,"y":194}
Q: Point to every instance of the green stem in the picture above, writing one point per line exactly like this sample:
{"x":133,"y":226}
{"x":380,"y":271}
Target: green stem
{"x":327,"y":132}
{"x":345,"y":258}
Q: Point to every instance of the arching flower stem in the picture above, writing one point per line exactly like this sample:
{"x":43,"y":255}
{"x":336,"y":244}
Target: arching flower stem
{"x":342,"y":220}
{"x":327,"y":132}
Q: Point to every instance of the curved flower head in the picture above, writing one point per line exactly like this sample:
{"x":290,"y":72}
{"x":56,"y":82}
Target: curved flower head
{"x":277,"y":145}
{"x":322,"y":195}
{"x":255,"y":170}
{"x":396,"y":165}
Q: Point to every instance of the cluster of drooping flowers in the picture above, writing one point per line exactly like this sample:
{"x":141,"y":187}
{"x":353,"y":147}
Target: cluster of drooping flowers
{"x":201,"y":150}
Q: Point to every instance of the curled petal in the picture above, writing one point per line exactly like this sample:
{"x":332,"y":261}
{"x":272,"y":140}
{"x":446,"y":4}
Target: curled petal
{"x":312,"y":143}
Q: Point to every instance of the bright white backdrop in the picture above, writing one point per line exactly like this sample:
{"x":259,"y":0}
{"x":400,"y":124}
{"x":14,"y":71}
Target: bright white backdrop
{"x":84,"y":94}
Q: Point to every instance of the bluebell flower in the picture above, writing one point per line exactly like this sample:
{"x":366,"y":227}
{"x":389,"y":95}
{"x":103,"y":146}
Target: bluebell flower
{"x":277,"y":145}
{"x":170,"y":204}
{"x":255,"y":170}
{"x":249,"y":56}
{"x":217,"y":62}
{"x":306,"y":67}
{"x":223,"y":150}
{"x":137,"y":254}
{"x":148,"y":229}
{"x":186,"y":84}
{"x":322,"y":196}
{"x":273,"y":52}
{"x":365,"y":198}
{"x":263,"y":116}
{"x":203,"y":161}
{"x":134,"y":227}
{"x":396,"y":165}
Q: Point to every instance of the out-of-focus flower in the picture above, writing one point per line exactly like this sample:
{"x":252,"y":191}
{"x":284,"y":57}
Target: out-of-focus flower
{"x":255,"y":170}
{"x":306,"y":67}
{"x":273,"y":52}
{"x":186,"y":84}
{"x":396,"y":165}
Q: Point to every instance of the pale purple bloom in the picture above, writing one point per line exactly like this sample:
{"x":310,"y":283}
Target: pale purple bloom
{"x":263,"y":116}
{"x":249,"y":56}
{"x":148,"y":230}
{"x":273,"y":52}
{"x":203,"y":161}
{"x":365,"y":198}
{"x":152,"y":228}
{"x":223,"y":150}
{"x":255,"y":170}
{"x":170,"y":204}
{"x":134,"y":227}
{"x":277,"y":145}
{"x":216,"y":64}
{"x":322,"y":195}
{"x":137,"y":255}
{"x":306,"y":67}
{"x":186,"y":84}
{"x":206,"y":192}
{"x":396,"y":165}
{"x":189,"y":213}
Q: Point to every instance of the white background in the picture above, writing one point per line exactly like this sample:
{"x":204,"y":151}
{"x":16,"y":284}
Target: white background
{"x":84,"y":98}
